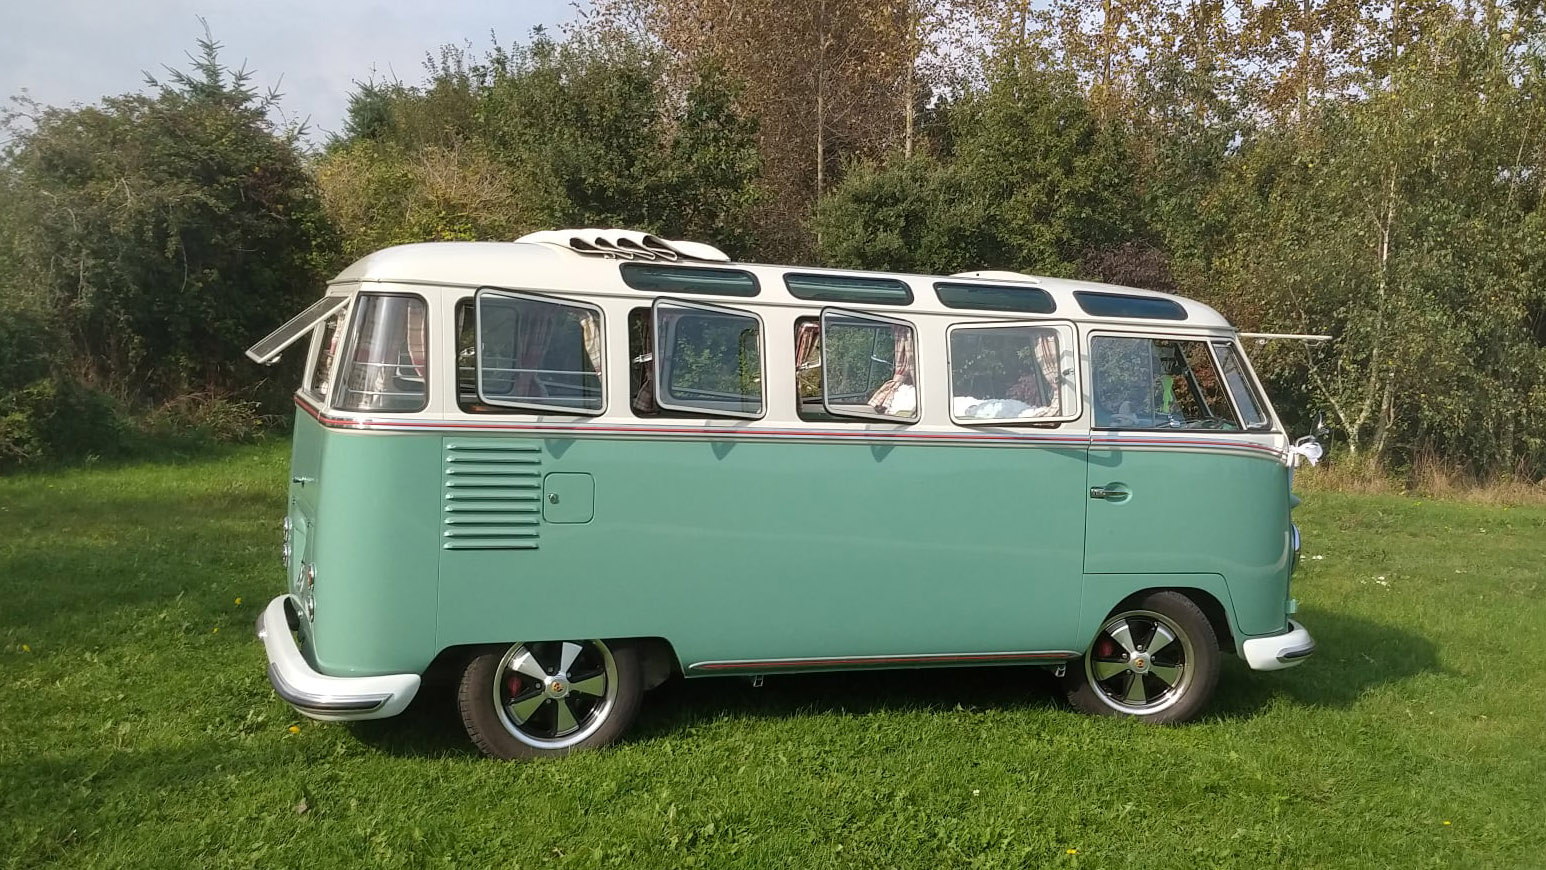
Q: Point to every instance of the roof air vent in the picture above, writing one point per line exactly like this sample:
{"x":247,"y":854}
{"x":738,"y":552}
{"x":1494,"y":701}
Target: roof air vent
{"x":626,"y":245}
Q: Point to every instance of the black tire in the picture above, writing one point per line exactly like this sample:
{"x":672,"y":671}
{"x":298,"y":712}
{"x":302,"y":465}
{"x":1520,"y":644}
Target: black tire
{"x":1126,"y":673}
{"x":587,"y":696}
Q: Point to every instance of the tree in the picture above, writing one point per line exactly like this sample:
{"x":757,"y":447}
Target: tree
{"x":167,"y":229}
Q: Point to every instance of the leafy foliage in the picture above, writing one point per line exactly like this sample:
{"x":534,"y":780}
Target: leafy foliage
{"x":147,"y":240}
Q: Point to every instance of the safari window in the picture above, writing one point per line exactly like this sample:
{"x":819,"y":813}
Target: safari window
{"x":857,"y":366}
{"x":1011,"y":374}
{"x":384,"y":369}
{"x":707,"y":360}
{"x":1157,"y":383}
{"x":536,"y":353}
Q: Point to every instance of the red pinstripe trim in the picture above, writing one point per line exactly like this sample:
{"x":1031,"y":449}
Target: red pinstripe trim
{"x":878,"y":660}
{"x":870,"y":435}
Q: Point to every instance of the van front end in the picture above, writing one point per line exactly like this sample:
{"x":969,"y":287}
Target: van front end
{"x":1294,"y":644}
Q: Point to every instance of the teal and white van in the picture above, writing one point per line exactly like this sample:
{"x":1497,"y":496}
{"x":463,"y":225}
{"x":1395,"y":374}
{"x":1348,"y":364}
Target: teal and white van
{"x":571,"y":466}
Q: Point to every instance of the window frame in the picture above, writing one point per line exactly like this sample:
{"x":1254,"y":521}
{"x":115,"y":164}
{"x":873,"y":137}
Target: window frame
{"x":1070,"y":350}
{"x":345,"y":363}
{"x":315,"y":351}
{"x":1252,"y":386}
{"x":542,"y":298}
{"x":657,"y":350}
{"x":1206,"y":339}
{"x":876,"y":417}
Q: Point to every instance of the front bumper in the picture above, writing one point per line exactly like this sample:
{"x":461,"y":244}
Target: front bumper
{"x":1280,"y":650}
{"x":318,"y":695}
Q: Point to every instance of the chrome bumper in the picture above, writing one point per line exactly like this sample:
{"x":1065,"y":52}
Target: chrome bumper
{"x":318,"y":695}
{"x":1279,"y":651}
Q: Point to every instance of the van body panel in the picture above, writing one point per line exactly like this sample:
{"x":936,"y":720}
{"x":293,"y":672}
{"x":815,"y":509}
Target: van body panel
{"x":1195,"y":510}
{"x":737,"y":550}
{"x":377,"y":563}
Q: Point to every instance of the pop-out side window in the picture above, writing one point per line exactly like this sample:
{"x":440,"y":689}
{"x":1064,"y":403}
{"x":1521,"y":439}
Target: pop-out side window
{"x":385,"y":367}
{"x":536,"y":353}
{"x":701,"y":360}
{"x":854,"y":365}
{"x":1010,"y":375}
{"x":1157,"y":383}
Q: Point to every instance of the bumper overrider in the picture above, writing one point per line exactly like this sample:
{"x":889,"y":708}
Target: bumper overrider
{"x":1280,"y":650}
{"x":316,"y":694}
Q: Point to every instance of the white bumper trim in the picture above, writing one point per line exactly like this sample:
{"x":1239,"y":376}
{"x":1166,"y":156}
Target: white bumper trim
{"x":1279,"y":651}
{"x":318,"y":695}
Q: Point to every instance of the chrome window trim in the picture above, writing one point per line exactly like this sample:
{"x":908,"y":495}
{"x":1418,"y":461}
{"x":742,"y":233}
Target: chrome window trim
{"x":1075,"y":380}
{"x":658,"y":362}
{"x":477,"y":343}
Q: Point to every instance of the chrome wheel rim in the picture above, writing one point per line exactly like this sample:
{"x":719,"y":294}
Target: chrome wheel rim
{"x":1140,"y":663}
{"x":555,"y":694}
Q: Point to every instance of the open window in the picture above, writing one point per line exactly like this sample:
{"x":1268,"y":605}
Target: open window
{"x":854,"y":365}
{"x":267,"y":351}
{"x":1013,"y":374}
{"x":1158,"y":383}
{"x":706,"y":359}
{"x":385,"y":366}
{"x":537,"y":353}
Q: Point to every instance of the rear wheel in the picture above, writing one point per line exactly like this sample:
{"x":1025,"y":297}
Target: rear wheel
{"x":549,"y":698}
{"x":1155,"y":658}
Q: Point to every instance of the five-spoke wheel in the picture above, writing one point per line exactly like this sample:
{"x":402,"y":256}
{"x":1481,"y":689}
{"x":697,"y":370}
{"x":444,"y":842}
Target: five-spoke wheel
{"x":1155,"y":658}
{"x":549,"y":698}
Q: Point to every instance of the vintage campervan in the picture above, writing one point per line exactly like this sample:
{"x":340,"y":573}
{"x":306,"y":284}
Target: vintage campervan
{"x":569,"y":467}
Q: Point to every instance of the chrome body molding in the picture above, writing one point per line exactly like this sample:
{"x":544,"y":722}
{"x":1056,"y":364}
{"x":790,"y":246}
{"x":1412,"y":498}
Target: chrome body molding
{"x":317,"y":695}
{"x":1280,"y":650}
{"x":944,"y":659}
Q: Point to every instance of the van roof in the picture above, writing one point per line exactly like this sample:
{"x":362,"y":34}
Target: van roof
{"x":534,"y":265}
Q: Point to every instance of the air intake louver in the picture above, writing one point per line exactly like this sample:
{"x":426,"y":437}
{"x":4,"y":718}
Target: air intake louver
{"x":493,"y":494}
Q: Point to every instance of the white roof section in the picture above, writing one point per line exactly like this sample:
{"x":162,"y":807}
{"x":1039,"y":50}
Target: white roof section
{"x":545,"y":262}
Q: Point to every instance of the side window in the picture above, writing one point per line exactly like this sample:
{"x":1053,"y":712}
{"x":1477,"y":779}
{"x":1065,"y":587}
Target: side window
{"x":1005,"y":374}
{"x":1238,"y":379}
{"x":704,"y":360}
{"x":1157,"y":383}
{"x":330,"y":334}
{"x":532,"y":353}
{"x":384,"y":369}
{"x":856,"y":365}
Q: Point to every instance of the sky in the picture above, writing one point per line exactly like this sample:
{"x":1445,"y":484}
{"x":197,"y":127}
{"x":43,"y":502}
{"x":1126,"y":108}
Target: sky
{"x":77,"y":51}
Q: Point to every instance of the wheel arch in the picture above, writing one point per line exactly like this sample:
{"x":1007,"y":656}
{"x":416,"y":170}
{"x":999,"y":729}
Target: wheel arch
{"x":657,"y":659}
{"x":1104,"y":594}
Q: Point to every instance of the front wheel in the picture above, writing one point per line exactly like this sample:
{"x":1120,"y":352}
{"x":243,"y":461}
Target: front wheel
{"x":1156,"y":658}
{"x":550,"y":698}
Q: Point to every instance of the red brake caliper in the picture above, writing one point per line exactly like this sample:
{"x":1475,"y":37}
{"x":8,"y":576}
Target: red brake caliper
{"x":1105,"y":648}
{"x":513,"y":685}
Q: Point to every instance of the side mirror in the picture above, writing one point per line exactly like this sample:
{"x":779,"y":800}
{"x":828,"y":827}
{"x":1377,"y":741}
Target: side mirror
{"x":1320,"y":430}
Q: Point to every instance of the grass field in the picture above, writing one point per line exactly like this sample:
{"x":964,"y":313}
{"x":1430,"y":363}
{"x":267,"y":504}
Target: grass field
{"x":137,"y":728}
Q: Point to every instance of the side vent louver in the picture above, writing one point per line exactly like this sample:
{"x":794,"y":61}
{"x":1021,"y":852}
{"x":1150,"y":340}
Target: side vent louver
{"x":493,"y":494}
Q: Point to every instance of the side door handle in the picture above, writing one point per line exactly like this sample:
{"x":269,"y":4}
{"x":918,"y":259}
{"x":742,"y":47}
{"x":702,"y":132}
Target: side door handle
{"x":1109,"y":492}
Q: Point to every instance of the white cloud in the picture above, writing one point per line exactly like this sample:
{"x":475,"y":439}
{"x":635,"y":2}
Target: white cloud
{"x":77,"y":51}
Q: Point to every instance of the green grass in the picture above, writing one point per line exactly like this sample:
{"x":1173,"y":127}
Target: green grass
{"x":137,"y":728}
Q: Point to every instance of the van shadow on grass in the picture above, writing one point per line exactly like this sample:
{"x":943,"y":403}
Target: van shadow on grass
{"x":1353,"y":656}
